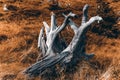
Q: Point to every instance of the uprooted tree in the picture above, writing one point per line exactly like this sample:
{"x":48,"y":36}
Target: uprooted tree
{"x":54,"y":48}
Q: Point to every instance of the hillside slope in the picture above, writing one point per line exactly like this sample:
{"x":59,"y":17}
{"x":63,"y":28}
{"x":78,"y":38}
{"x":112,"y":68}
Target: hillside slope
{"x":19,"y":30}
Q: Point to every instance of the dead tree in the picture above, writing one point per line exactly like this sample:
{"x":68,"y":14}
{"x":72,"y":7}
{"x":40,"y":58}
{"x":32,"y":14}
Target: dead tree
{"x":53,"y":46}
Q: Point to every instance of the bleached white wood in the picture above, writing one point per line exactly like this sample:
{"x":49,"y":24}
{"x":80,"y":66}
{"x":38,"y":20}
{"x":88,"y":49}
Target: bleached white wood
{"x":56,"y":52}
{"x":40,"y":38}
{"x":72,"y":24}
{"x":53,"y":22}
{"x":41,"y":42}
{"x":47,"y":28}
{"x":85,"y":14}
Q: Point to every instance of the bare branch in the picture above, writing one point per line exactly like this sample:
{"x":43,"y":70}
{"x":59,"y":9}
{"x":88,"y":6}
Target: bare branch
{"x":72,"y":24}
{"x":54,"y":33}
{"x":93,"y":19}
{"x":77,"y":43}
{"x":85,"y":14}
{"x":44,"y":46}
{"x":66,"y":21}
{"x":53,"y":22}
{"x":40,"y":38}
{"x":41,"y":42}
{"x":47,"y":28}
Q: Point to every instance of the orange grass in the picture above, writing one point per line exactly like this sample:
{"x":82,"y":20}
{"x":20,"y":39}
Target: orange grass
{"x":18,"y":43}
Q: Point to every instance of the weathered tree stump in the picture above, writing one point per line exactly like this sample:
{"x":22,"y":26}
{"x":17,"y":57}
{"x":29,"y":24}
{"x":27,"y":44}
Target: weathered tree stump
{"x":53,"y":46}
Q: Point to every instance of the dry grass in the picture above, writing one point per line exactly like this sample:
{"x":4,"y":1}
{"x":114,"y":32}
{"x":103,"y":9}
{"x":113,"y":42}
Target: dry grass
{"x":19,"y":31}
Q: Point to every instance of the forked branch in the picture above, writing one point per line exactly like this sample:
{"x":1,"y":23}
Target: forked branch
{"x":54,"y":49}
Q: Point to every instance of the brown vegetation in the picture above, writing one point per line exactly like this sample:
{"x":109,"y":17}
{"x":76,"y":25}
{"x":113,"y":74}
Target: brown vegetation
{"x":19,"y":29}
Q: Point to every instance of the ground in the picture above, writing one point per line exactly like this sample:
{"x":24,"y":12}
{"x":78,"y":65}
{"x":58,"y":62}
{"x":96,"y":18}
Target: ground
{"x":19,"y":30}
